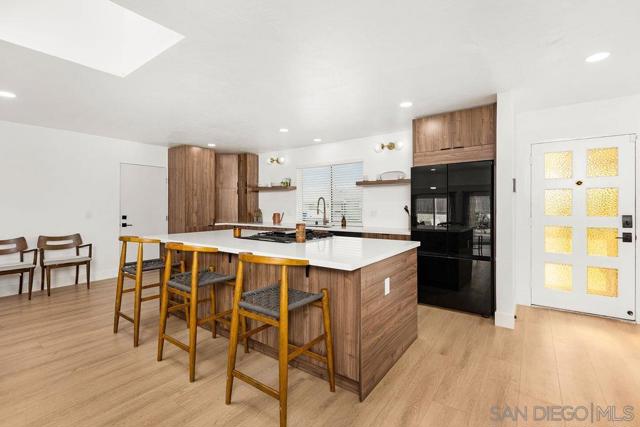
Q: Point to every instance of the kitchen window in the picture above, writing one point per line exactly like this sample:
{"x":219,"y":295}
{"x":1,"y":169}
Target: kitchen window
{"x":337,"y":184}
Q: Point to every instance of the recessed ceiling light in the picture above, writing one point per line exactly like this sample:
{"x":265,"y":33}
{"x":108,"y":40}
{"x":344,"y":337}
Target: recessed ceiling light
{"x":211,"y":145}
{"x":284,"y":130}
{"x":317,"y":140}
{"x":5,"y":94}
{"x":406,"y":104}
{"x":597,"y":57}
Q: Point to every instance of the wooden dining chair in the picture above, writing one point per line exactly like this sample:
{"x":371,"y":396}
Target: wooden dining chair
{"x":271,"y":305}
{"x":18,"y":267}
{"x":57,"y":243}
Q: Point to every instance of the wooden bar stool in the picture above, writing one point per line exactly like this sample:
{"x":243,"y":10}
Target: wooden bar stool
{"x":271,"y":305}
{"x":133,"y":270}
{"x":186,"y":285}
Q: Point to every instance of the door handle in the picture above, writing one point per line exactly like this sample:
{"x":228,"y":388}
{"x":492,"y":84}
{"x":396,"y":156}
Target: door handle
{"x":626,"y":237}
{"x":124,"y":224}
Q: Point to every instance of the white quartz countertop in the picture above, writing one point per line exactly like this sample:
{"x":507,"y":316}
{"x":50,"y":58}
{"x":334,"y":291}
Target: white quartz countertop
{"x":340,"y":253}
{"x":348,"y":229}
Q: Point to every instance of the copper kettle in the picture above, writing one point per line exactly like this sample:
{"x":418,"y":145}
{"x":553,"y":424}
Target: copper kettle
{"x":277,"y":218}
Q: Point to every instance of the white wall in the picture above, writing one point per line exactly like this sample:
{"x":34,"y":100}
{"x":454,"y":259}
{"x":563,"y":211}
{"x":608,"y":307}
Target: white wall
{"x":600,"y":118}
{"x":61,"y":182}
{"x":382,"y":206}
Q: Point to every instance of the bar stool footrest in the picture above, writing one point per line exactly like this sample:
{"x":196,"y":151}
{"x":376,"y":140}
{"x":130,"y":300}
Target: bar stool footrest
{"x":176,"y":342}
{"x":299,"y":351}
{"x":257,"y":384}
{"x":125,"y":317}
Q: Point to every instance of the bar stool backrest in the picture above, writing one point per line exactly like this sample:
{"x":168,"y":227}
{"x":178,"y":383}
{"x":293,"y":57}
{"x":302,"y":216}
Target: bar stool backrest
{"x":177,"y":246}
{"x":284,"y":263}
{"x":260,"y":259}
{"x":141,"y":241}
{"x":194,"y":250}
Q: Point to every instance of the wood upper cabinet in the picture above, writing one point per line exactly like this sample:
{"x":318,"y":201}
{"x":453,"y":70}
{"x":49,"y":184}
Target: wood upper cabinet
{"x":458,"y":136}
{"x":191,"y":189}
{"x":237,"y":177}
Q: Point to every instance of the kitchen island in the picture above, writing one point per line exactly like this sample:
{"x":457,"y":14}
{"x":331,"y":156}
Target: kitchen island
{"x":372,"y":327}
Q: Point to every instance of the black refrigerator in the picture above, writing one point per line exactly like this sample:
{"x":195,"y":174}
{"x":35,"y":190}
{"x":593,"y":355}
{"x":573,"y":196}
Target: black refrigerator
{"x":452,"y":218}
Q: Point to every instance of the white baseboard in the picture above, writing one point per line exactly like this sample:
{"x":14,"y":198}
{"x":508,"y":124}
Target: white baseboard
{"x":505,"y":320}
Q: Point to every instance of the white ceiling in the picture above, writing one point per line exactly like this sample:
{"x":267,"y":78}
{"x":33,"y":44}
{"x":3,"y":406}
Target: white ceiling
{"x":328,"y":69}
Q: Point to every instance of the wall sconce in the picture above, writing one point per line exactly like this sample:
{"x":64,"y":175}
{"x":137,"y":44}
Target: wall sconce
{"x":379,"y":148}
{"x":275,"y":160}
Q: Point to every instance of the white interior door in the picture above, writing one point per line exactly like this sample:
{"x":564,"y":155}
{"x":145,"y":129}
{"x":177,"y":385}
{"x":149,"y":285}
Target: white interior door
{"x":583,"y":197}
{"x":143,"y":204}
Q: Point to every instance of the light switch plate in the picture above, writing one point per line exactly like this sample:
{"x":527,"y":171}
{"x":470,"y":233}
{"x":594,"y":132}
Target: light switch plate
{"x":387,"y":286}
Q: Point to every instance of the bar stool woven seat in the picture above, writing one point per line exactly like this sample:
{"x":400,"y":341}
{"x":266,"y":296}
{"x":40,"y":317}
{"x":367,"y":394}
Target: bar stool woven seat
{"x":182,"y":281}
{"x":147,"y":265}
{"x":267,"y":300}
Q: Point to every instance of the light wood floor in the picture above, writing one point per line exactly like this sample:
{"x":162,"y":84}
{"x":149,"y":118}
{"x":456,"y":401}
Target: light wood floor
{"x":61,"y":365}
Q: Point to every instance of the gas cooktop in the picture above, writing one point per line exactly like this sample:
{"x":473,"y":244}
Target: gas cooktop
{"x":287,"y":236}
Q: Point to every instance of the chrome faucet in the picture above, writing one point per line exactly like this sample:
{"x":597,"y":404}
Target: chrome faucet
{"x":325,"y":221}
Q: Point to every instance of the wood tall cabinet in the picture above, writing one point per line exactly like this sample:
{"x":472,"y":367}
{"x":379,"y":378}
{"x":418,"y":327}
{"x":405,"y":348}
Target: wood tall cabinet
{"x":458,"y":136}
{"x":236,"y":180}
{"x":192,"y":180}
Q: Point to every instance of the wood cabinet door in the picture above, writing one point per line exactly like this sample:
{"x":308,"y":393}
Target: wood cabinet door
{"x":432,"y":134}
{"x":420,"y":140}
{"x":226,"y":190}
{"x":247,"y":183}
{"x":200,"y":189}
{"x":191,"y":188}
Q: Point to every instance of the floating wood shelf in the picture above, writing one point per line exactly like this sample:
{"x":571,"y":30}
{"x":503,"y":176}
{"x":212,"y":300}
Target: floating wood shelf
{"x":275,"y":188}
{"x":384,"y":182}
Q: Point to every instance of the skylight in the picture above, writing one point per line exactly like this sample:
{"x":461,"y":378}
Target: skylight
{"x":95,"y":33}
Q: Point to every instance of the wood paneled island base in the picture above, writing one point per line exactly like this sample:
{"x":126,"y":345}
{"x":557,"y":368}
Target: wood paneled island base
{"x":371,"y":330}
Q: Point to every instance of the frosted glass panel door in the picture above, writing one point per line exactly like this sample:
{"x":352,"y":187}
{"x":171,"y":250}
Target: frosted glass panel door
{"x":582,"y":191}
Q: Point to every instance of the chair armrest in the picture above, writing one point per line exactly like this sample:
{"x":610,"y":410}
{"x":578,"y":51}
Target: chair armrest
{"x":86,"y":245}
{"x":35,"y":255}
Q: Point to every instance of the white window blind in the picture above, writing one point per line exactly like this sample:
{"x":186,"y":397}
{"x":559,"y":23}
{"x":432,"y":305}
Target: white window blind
{"x":337,"y":184}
